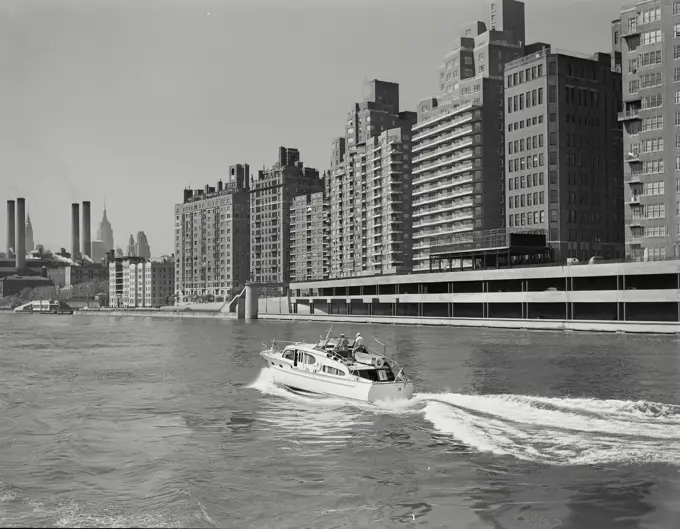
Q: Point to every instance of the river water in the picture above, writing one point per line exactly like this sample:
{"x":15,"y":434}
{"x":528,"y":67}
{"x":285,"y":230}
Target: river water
{"x":108,"y":421}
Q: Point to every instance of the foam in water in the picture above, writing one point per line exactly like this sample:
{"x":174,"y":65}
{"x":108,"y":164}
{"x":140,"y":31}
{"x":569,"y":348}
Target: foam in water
{"x":557,"y":431}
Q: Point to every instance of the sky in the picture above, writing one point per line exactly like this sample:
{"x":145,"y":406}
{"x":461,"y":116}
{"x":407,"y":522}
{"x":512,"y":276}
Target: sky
{"x":130,"y":101}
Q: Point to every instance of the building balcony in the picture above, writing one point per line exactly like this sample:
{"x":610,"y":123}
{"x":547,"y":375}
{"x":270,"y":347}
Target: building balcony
{"x":634,"y":201}
{"x":631,"y":32}
{"x":629,"y":115}
{"x":440,"y":182}
{"x":440,"y":232}
{"x":441,"y":163}
{"x":442,"y":150}
{"x":633,"y":157}
{"x":457,"y":193}
{"x":442,"y":139}
{"x":634,"y":222}
{"x":439,"y":117}
{"x":441,"y":219}
{"x":632,"y":179}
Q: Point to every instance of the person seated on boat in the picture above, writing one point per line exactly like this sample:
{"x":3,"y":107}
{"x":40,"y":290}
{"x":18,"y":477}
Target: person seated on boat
{"x":342,"y":345}
{"x":359,"y":346}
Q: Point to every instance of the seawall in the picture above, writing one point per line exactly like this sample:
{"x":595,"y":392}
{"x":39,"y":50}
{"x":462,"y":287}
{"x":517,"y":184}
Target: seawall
{"x":643,"y":327}
{"x":510,"y":323}
{"x":157,"y":314}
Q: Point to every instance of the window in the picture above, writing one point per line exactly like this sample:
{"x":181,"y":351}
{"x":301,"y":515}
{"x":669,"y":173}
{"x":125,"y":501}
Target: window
{"x":540,"y":95}
{"x":676,"y":8}
{"x":650,"y":58}
{"x":652,"y":101}
{"x":651,"y":37}
{"x":676,"y":30}
{"x":655,"y":211}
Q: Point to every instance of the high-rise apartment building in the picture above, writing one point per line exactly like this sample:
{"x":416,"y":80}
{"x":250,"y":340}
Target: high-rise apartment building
{"x":563,"y":152}
{"x":458,"y":141}
{"x":370,"y":187}
{"x":647,"y":36}
{"x":211,"y":237}
{"x":272,"y":194}
{"x":310,"y":237}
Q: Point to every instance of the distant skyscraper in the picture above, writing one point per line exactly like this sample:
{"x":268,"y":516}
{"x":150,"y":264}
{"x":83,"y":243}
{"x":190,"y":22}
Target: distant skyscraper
{"x":30,"y":243}
{"x":142,"y":248}
{"x":132,"y":248}
{"x":105,"y":232}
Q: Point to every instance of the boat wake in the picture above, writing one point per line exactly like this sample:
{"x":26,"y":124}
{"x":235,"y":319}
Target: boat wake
{"x":555,"y":431}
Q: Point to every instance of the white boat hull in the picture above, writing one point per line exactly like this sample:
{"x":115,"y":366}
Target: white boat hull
{"x":305,"y":379}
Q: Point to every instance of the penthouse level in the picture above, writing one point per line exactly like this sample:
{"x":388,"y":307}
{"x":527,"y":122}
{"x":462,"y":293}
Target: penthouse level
{"x":605,"y":292}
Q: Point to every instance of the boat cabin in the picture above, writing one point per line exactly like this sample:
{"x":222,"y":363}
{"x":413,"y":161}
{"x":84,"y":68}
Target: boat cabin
{"x":323,"y":358}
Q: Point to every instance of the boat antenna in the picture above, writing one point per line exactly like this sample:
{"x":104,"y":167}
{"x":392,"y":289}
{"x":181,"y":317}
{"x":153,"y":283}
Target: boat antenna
{"x":329,"y":333}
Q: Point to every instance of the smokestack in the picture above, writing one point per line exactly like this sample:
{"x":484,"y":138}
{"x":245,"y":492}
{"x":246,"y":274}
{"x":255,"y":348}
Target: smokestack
{"x":87,"y":242}
{"x":75,"y":230}
{"x":11,"y":218}
{"x":21,"y":235}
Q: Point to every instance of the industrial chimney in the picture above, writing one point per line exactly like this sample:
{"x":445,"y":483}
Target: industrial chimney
{"x":21,"y":235}
{"x":75,"y":230}
{"x":11,"y":218}
{"x":87,"y":242}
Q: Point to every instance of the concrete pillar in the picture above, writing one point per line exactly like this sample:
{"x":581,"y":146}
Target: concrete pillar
{"x":21,"y":235}
{"x":251,"y":302}
{"x":11,"y":228}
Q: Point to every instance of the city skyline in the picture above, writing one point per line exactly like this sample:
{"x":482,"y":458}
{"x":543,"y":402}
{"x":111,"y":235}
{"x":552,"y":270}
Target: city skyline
{"x":128,"y":134}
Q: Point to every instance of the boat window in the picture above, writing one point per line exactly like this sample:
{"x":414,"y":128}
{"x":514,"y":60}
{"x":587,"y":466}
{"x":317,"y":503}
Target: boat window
{"x":334,"y":371}
{"x":307,"y":358}
{"x":382,"y":375}
{"x":288,"y":354}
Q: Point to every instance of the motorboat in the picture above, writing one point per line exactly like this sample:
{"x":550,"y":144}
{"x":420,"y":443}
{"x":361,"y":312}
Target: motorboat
{"x":357,"y":373}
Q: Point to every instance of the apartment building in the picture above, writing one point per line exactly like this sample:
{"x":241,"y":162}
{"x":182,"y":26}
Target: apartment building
{"x":370,"y":187}
{"x":159,"y":283}
{"x":459,"y":138}
{"x":212,"y":227}
{"x":563,"y":152}
{"x":124,"y":282}
{"x":647,"y":37}
{"x":272,"y":193}
{"x":310,"y":237}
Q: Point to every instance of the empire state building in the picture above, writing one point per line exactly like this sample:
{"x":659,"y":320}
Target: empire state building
{"x":105,"y":232}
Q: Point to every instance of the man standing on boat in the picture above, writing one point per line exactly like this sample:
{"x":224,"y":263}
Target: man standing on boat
{"x":359,"y":344}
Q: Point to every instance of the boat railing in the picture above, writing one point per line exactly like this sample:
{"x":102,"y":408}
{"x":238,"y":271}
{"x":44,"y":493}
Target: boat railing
{"x":273,"y":346}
